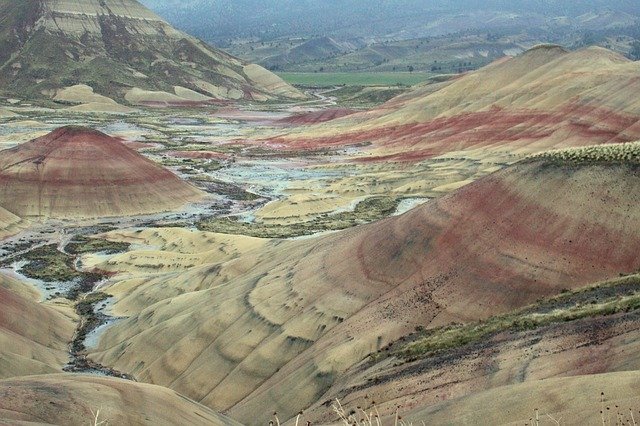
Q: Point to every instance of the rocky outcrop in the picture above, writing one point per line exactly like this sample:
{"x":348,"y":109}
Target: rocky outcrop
{"x":114,"y":46}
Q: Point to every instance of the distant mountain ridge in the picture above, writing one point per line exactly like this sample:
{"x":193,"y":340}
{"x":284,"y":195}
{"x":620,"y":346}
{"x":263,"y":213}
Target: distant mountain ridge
{"x":397,"y":35}
{"x":227,"y":19}
{"x":116,"y":46}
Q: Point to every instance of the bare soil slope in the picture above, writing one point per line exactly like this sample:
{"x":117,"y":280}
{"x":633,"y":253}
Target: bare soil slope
{"x":33,"y":336}
{"x":71,"y":400}
{"x":277,"y":327}
{"x":545,"y":98}
{"x":10,"y":224}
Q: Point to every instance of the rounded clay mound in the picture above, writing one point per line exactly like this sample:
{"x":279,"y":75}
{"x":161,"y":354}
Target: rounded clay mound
{"x":76,"y":172}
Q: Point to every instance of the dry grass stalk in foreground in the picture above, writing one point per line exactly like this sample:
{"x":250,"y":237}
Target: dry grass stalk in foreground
{"x":96,"y":419}
{"x":362,"y":418}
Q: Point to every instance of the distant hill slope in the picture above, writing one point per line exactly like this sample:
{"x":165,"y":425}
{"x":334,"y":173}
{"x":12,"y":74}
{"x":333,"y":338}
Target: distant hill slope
{"x":276,"y":329}
{"x":75,"y":172}
{"x":544,"y":98}
{"x":116,"y":47}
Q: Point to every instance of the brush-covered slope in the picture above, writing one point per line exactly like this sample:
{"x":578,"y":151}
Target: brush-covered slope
{"x":276,"y":328}
{"x":545,"y":98}
{"x":34,"y":337}
{"x":72,"y":400}
{"x":77,"y":172}
{"x":121,"y":50}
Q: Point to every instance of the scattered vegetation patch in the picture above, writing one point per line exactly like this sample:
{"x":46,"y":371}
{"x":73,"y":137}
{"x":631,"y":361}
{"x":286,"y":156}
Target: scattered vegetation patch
{"x":620,"y":295}
{"x":621,"y":153}
{"x":82,"y":245}
{"x":219,"y":187}
{"x":47,"y":263}
{"x":369,"y":210}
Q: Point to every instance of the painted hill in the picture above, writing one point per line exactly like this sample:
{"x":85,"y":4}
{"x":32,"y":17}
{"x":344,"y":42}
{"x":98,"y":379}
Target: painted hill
{"x":122,"y":51}
{"x":545,"y":98}
{"x":82,"y":173}
{"x":65,"y":399}
{"x":589,"y":333}
{"x":277,"y":329}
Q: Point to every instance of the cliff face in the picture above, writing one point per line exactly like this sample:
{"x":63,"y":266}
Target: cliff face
{"x":116,"y":46}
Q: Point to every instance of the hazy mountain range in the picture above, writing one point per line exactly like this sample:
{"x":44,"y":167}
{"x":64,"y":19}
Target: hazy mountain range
{"x":395,"y":35}
{"x":220,"y":20}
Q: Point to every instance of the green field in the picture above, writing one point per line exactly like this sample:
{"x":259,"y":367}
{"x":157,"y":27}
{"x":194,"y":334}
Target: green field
{"x":329,"y":79}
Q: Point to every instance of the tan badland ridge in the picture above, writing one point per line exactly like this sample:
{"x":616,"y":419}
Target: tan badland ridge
{"x":545,"y":98}
{"x":76,"y":172}
{"x":34,"y":337}
{"x":281,"y":328}
{"x":72,"y":400}
{"x":10,"y":224}
{"x":102,"y":53}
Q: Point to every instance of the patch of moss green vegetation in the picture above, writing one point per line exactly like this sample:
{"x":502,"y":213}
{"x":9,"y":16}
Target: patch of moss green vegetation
{"x":190,"y":165}
{"x":46,"y":263}
{"x":622,"y":153}
{"x":620,"y":295}
{"x":219,"y":187}
{"x":82,"y":245}
{"x":175,"y":162}
{"x":369,"y":210}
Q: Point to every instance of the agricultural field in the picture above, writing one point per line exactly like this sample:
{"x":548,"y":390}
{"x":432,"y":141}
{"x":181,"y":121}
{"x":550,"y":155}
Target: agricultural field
{"x":331,"y":79}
